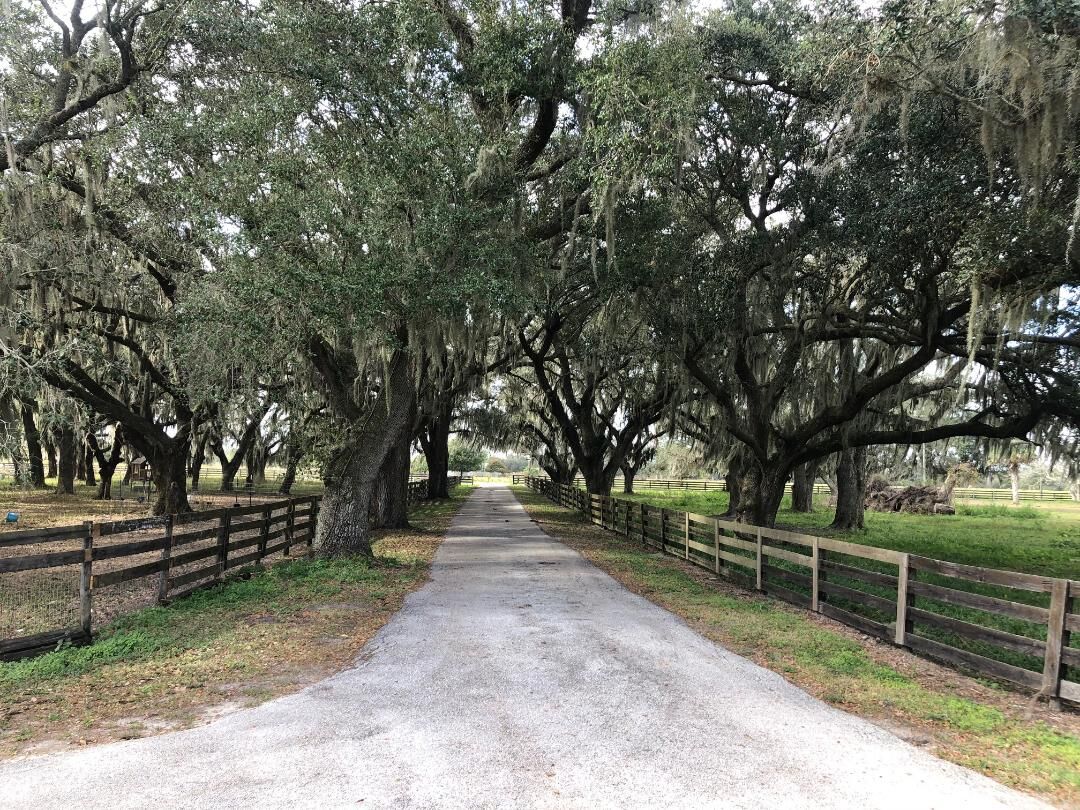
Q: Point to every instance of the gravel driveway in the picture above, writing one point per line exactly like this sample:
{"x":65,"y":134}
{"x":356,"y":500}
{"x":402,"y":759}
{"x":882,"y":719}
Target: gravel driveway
{"x":520,"y":676}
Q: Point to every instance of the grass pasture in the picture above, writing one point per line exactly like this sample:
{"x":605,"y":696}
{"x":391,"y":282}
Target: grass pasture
{"x":1041,"y":539}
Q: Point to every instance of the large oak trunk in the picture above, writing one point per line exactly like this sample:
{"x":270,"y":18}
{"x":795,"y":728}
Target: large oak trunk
{"x":599,"y":477}
{"x":168,"y":471}
{"x":350,"y":474}
{"x":733,"y":484}
{"x":50,"y":458}
{"x":68,"y":450}
{"x":88,"y":465}
{"x":292,"y":462}
{"x":198,"y":458}
{"x":761,"y":490}
{"x":435,"y":442}
{"x":628,"y":476}
{"x":33,"y":447}
{"x":390,"y":505}
{"x":802,"y":487}
{"x":850,"y":489}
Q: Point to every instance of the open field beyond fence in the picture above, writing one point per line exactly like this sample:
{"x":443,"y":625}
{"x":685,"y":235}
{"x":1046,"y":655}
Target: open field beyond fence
{"x":1009,"y":626}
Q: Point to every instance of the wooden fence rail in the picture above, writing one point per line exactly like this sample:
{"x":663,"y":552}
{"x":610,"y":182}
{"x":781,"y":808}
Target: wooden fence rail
{"x":167,"y":557}
{"x":1009,"y":626}
{"x":704,"y":485}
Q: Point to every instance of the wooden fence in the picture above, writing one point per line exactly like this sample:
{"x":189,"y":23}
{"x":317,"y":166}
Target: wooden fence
{"x":704,"y":485}
{"x":1009,"y":626}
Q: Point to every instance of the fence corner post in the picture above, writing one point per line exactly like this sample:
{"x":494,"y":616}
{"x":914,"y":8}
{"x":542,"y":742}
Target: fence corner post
{"x":814,"y":574}
{"x":314,"y":518}
{"x":166,"y":556}
{"x":1055,"y":637}
{"x":686,"y":535}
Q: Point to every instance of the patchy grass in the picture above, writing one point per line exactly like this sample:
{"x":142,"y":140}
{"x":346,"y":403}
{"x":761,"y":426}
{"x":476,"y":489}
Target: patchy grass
{"x":259,"y":635}
{"x":1000,"y":733}
{"x":1041,"y":538}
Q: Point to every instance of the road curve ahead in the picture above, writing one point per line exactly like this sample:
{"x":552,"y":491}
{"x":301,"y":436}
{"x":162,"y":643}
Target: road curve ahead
{"x":520,"y":676}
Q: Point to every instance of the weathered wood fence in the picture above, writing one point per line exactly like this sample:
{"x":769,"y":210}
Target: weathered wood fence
{"x":705,"y":485}
{"x":1010,"y":626}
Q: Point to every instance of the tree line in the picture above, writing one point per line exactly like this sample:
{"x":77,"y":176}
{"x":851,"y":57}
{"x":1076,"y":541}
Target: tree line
{"x":326,"y":233}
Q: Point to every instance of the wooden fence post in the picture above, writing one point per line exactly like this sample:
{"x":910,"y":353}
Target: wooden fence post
{"x":686,"y":535}
{"x":644,"y":539}
{"x":663,"y":530}
{"x":289,"y":520}
{"x":86,"y":593}
{"x":1055,"y":635}
{"x":759,"y":561}
{"x":166,"y":556}
{"x":223,"y":543}
{"x":264,"y":532}
{"x":815,"y":562}
{"x":903,"y":600}
{"x":716,"y":546}
{"x":314,"y":518}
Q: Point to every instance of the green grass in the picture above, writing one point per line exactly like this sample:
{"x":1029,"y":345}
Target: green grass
{"x":204,"y":615}
{"x":1039,"y":539}
{"x":1042,"y":539}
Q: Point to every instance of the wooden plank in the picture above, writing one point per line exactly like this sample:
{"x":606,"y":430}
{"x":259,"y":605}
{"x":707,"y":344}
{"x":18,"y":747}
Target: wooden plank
{"x":686,"y":534}
{"x":1069,"y":691}
{"x":702,"y":547}
{"x":735,"y":559}
{"x":786,"y":536}
{"x":13,"y":649}
{"x":166,"y":555}
{"x":1055,"y":633}
{"x":128,"y":574}
{"x":185,"y":538}
{"x":244,"y":559}
{"x":790,"y":556}
{"x":86,"y":590}
{"x":791,"y":577}
{"x":716,"y":547}
{"x":192,"y":576}
{"x":130,"y":525}
{"x":903,"y":598}
{"x":199,"y":517}
{"x":128,"y":549}
{"x":972,"y":661}
{"x":758,"y":559}
{"x":976,"y":632}
{"x":32,"y":561}
{"x":245,"y":542}
{"x":861,"y":574}
{"x":991,"y":604}
{"x":861,"y":623}
{"x":856,"y":550}
{"x":245,"y":526}
{"x":863,"y":598}
{"x":802,"y":600}
{"x":991,"y":576}
{"x":192,"y":556}
{"x":28,"y":537}
{"x":735,"y":542}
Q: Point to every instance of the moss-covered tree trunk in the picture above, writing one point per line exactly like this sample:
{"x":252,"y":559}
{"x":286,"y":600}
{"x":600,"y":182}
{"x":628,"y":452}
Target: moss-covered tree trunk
{"x":68,"y":449}
{"x":33,"y":446}
{"x":850,"y":489}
